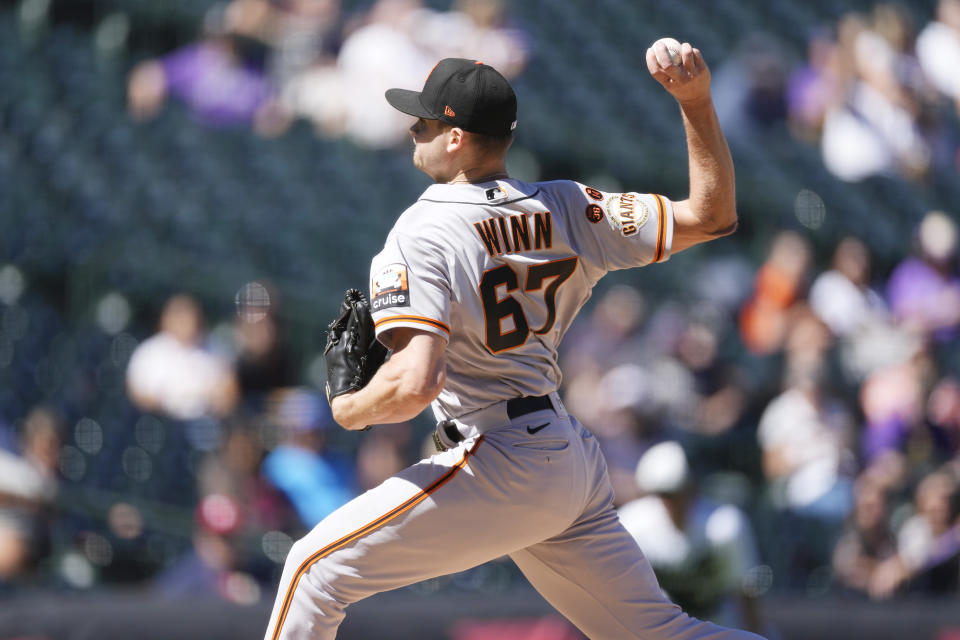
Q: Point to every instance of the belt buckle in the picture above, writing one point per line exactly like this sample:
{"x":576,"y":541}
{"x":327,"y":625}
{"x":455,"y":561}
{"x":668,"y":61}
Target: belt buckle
{"x":436,"y":443}
{"x":446,"y":426}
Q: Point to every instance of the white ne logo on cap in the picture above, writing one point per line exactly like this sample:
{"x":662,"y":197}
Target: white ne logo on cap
{"x":513,"y":125}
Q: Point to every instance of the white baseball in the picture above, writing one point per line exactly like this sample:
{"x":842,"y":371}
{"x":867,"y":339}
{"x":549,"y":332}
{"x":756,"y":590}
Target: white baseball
{"x":673,"y":50}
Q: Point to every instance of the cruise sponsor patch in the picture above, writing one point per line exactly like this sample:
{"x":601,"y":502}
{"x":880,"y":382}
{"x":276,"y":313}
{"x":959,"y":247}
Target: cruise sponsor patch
{"x":390,"y":288}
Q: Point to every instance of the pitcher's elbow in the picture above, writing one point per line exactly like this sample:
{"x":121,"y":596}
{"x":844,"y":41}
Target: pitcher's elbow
{"x":725,"y":224}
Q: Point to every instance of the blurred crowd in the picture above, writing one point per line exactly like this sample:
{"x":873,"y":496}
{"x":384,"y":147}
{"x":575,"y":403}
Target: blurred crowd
{"x":267,"y":63}
{"x":257,"y":453}
{"x":822,"y":402}
{"x":876,"y":92}
{"x":789,"y":424}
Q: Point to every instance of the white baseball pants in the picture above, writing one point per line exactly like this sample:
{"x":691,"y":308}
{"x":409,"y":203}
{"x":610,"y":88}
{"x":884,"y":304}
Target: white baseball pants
{"x":543,"y":498}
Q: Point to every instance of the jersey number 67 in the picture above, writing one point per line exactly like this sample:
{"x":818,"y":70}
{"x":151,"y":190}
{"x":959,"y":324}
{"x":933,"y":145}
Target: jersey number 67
{"x":495,"y":310}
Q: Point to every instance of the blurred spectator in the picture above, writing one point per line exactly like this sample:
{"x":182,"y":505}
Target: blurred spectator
{"x":935,"y":503}
{"x":843,"y":296}
{"x":780,"y":282}
{"x":818,"y":85}
{"x":234,"y":472}
{"x":396,"y":44}
{"x":347,"y":99}
{"x":220,"y":78}
{"x":920,"y":543}
{"x":236,"y":510}
{"x":303,"y":34}
{"x":943,"y":416}
{"x":892,"y":404}
{"x":875,"y":130}
{"x":262,"y":360}
{"x":804,"y":434}
{"x":610,"y":335}
{"x":478,"y":30}
{"x":702,"y":552}
{"x":749,"y":87}
{"x":28,"y":487}
{"x":172,"y":373}
{"x":719,"y":392}
{"x":215,"y":563}
{"x":868,"y":539}
{"x":313,"y":480}
{"x":923,"y":291}
{"x":938,"y":50}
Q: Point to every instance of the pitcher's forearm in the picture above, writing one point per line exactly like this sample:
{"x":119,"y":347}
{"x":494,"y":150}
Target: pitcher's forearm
{"x":712,"y":181}
{"x":402,"y":388}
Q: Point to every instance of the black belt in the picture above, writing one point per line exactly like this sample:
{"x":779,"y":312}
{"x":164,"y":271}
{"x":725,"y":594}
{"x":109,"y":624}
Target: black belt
{"x":516,"y":407}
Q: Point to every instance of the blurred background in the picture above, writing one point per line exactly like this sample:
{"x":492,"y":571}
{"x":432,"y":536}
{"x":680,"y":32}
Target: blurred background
{"x":188,"y":186}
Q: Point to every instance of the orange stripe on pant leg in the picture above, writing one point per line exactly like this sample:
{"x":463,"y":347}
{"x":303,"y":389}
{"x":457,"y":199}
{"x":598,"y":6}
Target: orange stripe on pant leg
{"x":367,"y":528}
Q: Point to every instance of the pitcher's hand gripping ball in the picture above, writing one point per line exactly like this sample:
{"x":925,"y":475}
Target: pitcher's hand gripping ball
{"x":353,"y":353}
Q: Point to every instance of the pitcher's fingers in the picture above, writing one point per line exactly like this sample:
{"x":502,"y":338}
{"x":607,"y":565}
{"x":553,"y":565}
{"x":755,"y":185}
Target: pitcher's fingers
{"x":652,"y":65}
{"x":686,"y":55}
{"x":675,"y":72}
{"x":701,"y":64}
{"x":663,"y":54}
{"x":655,"y":70}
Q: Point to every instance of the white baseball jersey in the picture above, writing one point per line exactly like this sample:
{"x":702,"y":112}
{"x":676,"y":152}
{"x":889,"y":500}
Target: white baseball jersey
{"x":498,"y":269}
{"x":501,"y":269}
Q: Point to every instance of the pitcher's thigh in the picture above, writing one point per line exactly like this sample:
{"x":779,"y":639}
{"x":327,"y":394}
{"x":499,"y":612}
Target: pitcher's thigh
{"x":437,"y":517}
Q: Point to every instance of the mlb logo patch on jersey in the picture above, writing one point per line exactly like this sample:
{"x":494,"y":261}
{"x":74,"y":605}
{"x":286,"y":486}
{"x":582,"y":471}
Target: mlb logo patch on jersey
{"x":389,"y":288}
{"x":496,"y":194}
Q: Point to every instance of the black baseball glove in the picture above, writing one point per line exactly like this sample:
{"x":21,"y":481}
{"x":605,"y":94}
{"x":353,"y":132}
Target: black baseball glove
{"x":353,"y":353}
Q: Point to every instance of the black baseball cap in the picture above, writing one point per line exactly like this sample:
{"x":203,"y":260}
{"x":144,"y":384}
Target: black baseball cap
{"x":465,"y":93}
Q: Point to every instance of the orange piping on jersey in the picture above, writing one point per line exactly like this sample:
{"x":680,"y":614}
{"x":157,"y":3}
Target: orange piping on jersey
{"x":418,"y":319}
{"x":367,"y":528}
{"x":661,"y":231}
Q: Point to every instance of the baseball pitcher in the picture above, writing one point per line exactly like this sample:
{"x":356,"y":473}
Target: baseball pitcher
{"x":475,"y":287}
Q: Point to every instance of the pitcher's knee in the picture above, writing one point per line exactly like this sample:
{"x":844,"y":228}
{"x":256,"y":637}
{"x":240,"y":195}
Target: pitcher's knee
{"x":324,"y":577}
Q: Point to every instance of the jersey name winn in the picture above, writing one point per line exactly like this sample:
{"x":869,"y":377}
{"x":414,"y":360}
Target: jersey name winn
{"x":500,"y":269}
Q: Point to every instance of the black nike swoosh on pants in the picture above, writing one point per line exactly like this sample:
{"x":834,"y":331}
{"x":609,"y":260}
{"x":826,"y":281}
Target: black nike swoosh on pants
{"x":532,"y":430}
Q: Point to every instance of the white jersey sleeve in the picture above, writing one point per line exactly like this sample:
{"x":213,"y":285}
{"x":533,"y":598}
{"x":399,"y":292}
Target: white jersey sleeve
{"x":622,"y":230}
{"x":410,"y":286}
